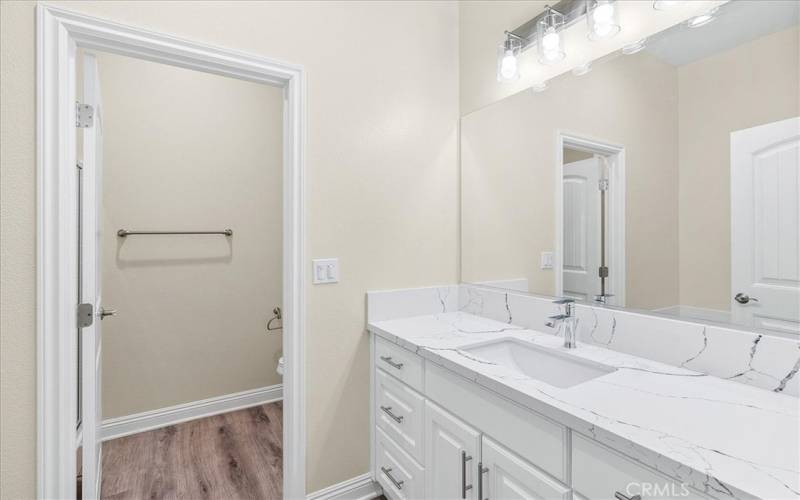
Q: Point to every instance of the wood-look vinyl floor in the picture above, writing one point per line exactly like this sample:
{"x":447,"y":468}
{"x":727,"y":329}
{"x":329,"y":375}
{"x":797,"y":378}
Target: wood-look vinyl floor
{"x":237,"y":455}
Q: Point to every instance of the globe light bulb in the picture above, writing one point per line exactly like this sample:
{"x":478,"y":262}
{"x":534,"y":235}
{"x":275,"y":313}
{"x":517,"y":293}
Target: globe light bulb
{"x":551,"y":41}
{"x":603,"y":13}
{"x":508,"y":66}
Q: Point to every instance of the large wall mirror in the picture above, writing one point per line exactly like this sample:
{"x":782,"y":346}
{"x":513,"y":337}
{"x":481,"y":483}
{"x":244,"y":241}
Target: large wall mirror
{"x":665,"y":179}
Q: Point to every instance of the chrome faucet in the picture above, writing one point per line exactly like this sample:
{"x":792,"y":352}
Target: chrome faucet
{"x":568,"y":318}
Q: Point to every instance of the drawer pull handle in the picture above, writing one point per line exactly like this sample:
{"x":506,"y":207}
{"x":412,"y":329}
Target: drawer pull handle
{"x":464,"y":486}
{"x":481,"y":471}
{"x":388,"y":472}
{"x":388,"y":410}
{"x":620,"y":496}
{"x":388,"y":359}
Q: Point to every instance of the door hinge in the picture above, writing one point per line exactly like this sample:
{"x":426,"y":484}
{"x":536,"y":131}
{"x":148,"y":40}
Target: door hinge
{"x":602,"y":272}
{"x":602,"y":184}
{"x":84,"y":115}
{"x":85,"y":315}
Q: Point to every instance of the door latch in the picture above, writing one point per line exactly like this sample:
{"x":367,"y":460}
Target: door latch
{"x":85,"y":315}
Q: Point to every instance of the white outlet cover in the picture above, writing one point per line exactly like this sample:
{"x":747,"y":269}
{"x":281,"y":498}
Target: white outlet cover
{"x":325,"y":271}
{"x":547,"y":260}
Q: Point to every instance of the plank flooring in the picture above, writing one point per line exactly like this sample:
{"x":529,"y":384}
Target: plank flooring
{"x":237,"y":455}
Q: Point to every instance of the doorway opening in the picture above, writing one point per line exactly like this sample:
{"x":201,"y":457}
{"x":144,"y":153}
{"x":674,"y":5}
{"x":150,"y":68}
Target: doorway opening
{"x":179,"y":251}
{"x":590,"y":220}
{"x":169,"y":227}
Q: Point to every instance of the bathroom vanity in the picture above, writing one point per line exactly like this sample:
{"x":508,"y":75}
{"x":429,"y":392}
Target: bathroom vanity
{"x":467,"y":406}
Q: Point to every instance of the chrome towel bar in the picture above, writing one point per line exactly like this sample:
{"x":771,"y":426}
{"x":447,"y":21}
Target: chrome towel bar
{"x":124,"y":232}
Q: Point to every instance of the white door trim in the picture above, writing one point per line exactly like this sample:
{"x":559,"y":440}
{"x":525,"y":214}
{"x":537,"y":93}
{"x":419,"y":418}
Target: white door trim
{"x":616,"y":208}
{"x":59,"y":33}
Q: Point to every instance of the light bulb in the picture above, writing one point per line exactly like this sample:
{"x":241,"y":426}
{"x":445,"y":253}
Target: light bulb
{"x":603,"y":13}
{"x":603,"y":21}
{"x":508,"y":66}
{"x":551,"y":41}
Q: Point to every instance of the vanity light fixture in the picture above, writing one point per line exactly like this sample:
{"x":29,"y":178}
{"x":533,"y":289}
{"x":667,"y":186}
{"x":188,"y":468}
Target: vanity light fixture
{"x":602,"y":17}
{"x":634,"y":47}
{"x":702,"y":19}
{"x":548,"y":39}
{"x":666,"y":4}
{"x":582,"y":69}
{"x":507,"y":64}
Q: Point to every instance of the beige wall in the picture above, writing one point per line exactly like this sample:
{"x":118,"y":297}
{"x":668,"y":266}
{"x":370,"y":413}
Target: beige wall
{"x":752,"y":84}
{"x":188,"y":150}
{"x":508,"y":175}
{"x":382,"y":188}
{"x":17,"y":252}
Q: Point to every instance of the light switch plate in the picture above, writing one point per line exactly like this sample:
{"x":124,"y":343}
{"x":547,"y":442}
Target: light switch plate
{"x":325,"y":271}
{"x":547,"y":260}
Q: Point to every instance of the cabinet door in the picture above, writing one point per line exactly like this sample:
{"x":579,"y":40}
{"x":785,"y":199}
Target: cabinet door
{"x":452,"y":451}
{"x":506,"y":476}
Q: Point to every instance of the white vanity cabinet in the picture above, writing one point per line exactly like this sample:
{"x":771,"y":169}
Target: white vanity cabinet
{"x":598,"y":470}
{"x":452,"y":450}
{"x":441,"y":436}
{"x":507,"y":476}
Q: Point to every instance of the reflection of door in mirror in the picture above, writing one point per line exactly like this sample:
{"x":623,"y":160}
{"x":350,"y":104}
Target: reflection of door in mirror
{"x":765,"y":226}
{"x":590,"y":260}
{"x":582,"y":231}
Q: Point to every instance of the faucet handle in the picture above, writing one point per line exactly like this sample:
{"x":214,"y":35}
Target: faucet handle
{"x":564,"y":300}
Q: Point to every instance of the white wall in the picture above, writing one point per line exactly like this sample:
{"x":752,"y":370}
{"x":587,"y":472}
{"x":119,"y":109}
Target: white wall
{"x":187,"y":150}
{"x":382,"y":189}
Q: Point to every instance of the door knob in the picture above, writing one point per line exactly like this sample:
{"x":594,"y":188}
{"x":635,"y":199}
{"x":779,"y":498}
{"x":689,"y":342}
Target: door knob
{"x":107,"y":312}
{"x":743,"y":298}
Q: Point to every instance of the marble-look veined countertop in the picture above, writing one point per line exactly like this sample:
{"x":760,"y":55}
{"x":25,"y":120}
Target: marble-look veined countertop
{"x":725,"y":439}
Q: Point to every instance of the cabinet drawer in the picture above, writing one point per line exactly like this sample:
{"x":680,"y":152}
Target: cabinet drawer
{"x":535,"y":438}
{"x":508,"y":476}
{"x":599,"y":472}
{"x":398,"y":474}
{"x":399,"y":411}
{"x":398,"y":362}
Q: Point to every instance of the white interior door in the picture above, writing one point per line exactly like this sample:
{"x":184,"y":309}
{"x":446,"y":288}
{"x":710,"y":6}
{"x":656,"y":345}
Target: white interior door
{"x":581,"y":233}
{"x":91,"y":340}
{"x":765,"y":226}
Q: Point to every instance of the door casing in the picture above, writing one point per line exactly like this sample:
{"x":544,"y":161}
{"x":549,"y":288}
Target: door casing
{"x":59,"y":34}
{"x":616,"y":209}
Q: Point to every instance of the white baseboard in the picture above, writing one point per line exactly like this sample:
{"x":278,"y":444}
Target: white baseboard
{"x":162,"y":417}
{"x":358,"y":488}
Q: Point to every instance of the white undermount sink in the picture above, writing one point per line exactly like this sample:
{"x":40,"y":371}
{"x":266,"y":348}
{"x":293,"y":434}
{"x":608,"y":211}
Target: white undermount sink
{"x":549,"y":366}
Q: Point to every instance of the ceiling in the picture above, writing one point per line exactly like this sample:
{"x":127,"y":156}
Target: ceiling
{"x":737,"y":22}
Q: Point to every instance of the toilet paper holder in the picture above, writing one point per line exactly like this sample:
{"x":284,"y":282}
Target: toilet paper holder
{"x":276,"y":317}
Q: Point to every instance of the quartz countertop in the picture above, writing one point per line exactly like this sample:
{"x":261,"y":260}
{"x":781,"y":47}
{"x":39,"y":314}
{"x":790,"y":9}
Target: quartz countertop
{"x":725,"y":439}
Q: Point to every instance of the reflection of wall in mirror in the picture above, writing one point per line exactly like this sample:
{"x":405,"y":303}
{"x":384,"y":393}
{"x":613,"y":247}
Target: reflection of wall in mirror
{"x":753,"y":84}
{"x":509,"y":166}
{"x":675,"y":124}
